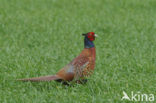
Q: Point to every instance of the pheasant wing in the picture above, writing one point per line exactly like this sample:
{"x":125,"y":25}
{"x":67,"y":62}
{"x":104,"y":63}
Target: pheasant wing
{"x":81,"y":67}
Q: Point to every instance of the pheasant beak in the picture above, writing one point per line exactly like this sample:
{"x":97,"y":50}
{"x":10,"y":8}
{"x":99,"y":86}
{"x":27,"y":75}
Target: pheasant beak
{"x":96,"y":35}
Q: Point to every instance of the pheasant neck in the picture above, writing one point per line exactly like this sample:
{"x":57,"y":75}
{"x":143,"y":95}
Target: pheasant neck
{"x":88,"y":43}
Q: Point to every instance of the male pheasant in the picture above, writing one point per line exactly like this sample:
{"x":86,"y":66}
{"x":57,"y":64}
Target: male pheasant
{"x":79,"y":68}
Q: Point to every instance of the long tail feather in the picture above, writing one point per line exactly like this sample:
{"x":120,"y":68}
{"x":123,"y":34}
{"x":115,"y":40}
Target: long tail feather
{"x":44,"y":78}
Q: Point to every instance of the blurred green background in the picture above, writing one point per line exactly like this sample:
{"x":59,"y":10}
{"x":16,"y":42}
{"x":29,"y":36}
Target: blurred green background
{"x":38,"y":37}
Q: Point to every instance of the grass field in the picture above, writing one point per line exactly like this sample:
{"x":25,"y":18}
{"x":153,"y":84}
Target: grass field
{"x":38,"y":37}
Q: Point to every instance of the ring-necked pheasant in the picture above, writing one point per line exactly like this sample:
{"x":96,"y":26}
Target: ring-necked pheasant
{"x":79,"y":68}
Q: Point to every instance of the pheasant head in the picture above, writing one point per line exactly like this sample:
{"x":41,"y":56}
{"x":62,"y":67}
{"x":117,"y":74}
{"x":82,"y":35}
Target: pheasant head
{"x":88,"y":40}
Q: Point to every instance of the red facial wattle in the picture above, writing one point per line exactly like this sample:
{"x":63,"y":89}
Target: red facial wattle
{"x":91,"y":36}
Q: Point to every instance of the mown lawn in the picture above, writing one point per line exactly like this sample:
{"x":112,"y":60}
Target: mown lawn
{"x":38,"y":37}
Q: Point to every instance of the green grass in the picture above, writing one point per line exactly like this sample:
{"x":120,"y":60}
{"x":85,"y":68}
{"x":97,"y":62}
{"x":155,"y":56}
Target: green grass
{"x":38,"y":37}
